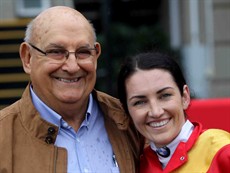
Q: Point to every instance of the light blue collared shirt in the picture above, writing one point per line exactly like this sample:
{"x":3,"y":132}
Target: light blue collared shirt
{"x":89,"y":150}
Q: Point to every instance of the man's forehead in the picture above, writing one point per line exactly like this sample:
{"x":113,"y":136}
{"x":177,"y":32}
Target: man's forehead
{"x":55,"y":17}
{"x":56,"y":14}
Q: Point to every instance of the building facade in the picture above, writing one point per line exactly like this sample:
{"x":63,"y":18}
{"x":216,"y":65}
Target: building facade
{"x":198,"y":29}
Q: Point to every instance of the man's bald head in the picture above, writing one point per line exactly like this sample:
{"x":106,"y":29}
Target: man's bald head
{"x":54,"y":17}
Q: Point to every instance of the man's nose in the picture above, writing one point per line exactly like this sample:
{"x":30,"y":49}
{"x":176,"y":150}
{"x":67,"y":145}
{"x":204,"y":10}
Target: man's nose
{"x":71,"y":64}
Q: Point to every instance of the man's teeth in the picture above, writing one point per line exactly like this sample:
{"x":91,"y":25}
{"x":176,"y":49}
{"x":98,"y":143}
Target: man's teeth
{"x":68,"y":80}
{"x":158,"y":124}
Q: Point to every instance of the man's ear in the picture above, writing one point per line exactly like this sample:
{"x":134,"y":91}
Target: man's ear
{"x":98,"y":52}
{"x":25,"y":56}
{"x":186,"y":97}
{"x":98,"y":49}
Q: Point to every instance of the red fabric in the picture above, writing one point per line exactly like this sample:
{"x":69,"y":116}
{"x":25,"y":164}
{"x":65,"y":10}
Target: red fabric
{"x":149,"y":162}
{"x":221,"y":161}
{"x":211,"y":113}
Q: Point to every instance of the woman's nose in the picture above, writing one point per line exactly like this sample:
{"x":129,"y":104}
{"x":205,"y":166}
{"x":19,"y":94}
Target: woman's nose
{"x":155,"y":110}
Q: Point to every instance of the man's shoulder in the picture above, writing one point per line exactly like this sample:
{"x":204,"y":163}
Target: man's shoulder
{"x":101,"y":94}
{"x":112,"y":109}
{"x":110,"y":101}
{"x":9,"y":111}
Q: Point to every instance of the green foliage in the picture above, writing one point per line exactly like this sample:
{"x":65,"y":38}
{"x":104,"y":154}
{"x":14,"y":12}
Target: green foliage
{"x":122,"y":41}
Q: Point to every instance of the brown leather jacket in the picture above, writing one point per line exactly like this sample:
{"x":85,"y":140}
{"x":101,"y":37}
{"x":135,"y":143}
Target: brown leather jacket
{"x":23,"y":138}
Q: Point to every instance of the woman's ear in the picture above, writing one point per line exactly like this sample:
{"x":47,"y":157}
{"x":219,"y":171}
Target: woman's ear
{"x":25,"y":56}
{"x":186,"y":97}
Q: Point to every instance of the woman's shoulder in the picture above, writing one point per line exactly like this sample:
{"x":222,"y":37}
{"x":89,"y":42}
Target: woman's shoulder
{"x":216,"y":135}
{"x":215,"y":139}
{"x":221,"y":161}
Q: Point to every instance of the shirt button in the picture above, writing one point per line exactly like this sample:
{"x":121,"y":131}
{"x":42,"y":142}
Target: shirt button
{"x":182,"y":158}
{"x":65,"y":125}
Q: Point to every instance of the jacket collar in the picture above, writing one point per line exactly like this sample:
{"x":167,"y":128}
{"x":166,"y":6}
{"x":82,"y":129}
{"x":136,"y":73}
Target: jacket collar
{"x":43,"y":130}
{"x":33,"y":123}
{"x":112,"y":108}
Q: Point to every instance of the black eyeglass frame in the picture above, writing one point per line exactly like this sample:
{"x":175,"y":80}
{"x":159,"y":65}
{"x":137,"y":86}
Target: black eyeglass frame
{"x":67,"y":54}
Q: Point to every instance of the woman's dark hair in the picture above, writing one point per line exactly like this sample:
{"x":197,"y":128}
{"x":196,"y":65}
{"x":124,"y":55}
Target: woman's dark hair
{"x":148,"y":61}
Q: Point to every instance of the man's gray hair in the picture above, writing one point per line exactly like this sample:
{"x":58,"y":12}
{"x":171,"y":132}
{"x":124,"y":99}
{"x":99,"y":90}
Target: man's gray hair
{"x":28,"y":32}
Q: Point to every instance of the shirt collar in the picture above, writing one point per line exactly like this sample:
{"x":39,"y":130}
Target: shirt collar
{"x":45,"y":112}
{"x":51,"y":116}
{"x":183,"y":136}
{"x":90,"y":108}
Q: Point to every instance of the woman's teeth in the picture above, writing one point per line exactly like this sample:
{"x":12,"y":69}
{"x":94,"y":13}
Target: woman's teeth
{"x":159,"y":124}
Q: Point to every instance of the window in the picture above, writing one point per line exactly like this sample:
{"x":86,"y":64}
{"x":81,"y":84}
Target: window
{"x":30,"y":8}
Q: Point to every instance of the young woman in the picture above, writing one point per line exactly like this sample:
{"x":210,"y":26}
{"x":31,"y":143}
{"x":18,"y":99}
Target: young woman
{"x":154,"y":93}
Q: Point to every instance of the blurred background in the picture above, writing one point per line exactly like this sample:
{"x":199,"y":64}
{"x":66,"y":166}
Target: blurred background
{"x":195,"y":32}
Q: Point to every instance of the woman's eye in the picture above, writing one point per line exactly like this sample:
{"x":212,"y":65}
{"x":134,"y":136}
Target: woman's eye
{"x":138,"y":103}
{"x":166,"y":95}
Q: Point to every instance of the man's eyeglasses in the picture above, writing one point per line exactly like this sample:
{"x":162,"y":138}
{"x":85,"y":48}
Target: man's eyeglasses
{"x":60,"y":55}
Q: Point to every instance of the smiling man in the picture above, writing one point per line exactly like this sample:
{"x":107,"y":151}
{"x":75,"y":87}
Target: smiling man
{"x":61,"y":123}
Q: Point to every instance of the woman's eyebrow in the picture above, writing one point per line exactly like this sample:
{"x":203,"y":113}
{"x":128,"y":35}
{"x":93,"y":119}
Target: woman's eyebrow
{"x":163,"y":89}
{"x":136,"y":97}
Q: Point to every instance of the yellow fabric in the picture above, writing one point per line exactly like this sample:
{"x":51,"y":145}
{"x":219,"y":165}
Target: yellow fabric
{"x":204,"y":150}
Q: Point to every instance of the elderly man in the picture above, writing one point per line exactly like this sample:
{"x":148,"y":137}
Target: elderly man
{"x":61,"y":123}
